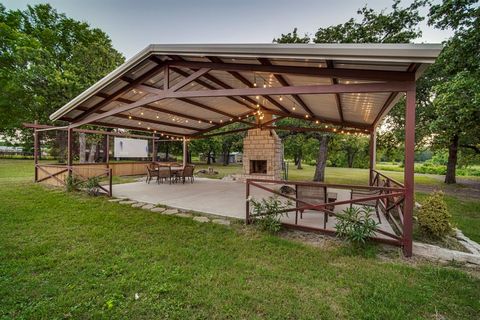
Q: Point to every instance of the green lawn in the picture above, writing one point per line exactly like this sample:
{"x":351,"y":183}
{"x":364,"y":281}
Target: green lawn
{"x":71,"y":256}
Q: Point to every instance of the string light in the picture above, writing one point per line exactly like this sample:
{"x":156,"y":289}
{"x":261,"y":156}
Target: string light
{"x":199,"y":121}
{"x":254,"y":79}
{"x":281,"y":98}
{"x":141,"y":113}
{"x":257,"y":97}
{"x":148,"y":128}
{"x":316,"y":122}
{"x":210,"y":121}
{"x":129,"y":117}
{"x":139,"y":122}
{"x":306,"y":116}
{"x":158,"y":116}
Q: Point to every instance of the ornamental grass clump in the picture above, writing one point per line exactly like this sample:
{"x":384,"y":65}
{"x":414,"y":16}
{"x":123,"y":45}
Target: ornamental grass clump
{"x":356,"y":225}
{"x":267,"y":213}
{"x":433,"y":217}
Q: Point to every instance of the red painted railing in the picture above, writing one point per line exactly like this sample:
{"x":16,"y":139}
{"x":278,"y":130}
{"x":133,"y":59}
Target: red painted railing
{"x":387,"y":197}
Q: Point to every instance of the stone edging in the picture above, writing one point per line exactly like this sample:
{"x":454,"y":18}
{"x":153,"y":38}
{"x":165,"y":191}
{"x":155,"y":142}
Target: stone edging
{"x":170,"y":211}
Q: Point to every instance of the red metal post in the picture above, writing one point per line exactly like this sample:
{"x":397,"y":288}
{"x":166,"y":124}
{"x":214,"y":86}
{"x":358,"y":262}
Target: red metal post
{"x":107,"y":149}
{"x":185,"y":151}
{"x":110,"y":182}
{"x":154,"y":149}
{"x":35,"y":150}
{"x":247,"y":202}
{"x":69,"y":150}
{"x":409,"y":172}
{"x":373,"y":153}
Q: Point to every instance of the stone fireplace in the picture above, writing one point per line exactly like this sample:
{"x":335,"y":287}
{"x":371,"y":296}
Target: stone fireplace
{"x":262,"y":155}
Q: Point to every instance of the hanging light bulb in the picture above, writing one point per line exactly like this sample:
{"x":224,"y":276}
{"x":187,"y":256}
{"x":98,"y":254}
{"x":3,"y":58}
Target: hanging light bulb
{"x":141,"y":113}
{"x":306,"y":116}
{"x":254,"y":79}
{"x":158,"y":116}
{"x":210,"y":121}
{"x":154,"y":131}
{"x":148,"y":128}
{"x":139,"y":122}
{"x":317,"y":122}
{"x":257,"y":97}
{"x":281,"y":98}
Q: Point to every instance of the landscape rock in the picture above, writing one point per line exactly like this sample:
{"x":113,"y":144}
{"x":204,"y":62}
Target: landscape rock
{"x":148,"y":206}
{"x":184,"y":215}
{"x":127,"y":202}
{"x":157,"y":209}
{"x":221,"y":221}
{"x":201,"y":219}
{"x":170,"y":211}
{"x":138,"y":204}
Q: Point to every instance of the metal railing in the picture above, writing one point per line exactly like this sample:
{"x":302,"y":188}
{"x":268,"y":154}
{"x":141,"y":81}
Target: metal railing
{"x":388,"y":199}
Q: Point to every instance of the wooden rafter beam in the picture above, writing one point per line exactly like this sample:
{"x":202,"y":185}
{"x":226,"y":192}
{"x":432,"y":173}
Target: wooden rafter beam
{"x":247,"y":82}
{"x":392,"y":86}
{"x":285,"y":83}
{"x":147,"y":120}
{"x":144,"y":101}
{"x":363,"y":74}
{"x":118,"y":93}
{"x":156,"y":108}
{"x":208,"y":85}
{"x":337,"y":95}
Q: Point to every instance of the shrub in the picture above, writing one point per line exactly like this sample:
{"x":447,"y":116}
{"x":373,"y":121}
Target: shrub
{"x":433,"y":217}
{"x":267,"y":213}
{"x":356,"y":224}
{"x":92,"y":186}
{"x":71,"y":183}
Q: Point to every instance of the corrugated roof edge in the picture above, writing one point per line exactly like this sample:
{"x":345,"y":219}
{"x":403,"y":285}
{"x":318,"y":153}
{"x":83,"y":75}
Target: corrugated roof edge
{"x":418,"y":53}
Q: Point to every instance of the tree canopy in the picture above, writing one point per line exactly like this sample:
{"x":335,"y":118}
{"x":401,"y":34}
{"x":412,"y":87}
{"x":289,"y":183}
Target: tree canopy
{"x":47,"y":59}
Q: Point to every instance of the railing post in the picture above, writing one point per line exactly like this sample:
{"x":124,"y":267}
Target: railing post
{"x":247,"y":202}
{"x":35,"y":150}
{"x":110,"y":182}
{"x":69,"y":150}
{"x":409,"y":171}
{"x":372,"y":154}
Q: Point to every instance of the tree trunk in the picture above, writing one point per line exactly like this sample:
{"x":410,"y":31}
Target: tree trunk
{"x":450,"y":177}
{"x":321,"y":159}
{"x":226,"y":157}
{"x":209,"y":156}
{"x":93,"y":151}
{"x":350,"y":158}
{"x":299,"y":162}
{"x":83,"y":146}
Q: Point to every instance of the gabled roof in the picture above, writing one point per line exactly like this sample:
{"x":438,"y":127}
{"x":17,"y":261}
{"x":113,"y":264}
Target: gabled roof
{"x":239,"y":66}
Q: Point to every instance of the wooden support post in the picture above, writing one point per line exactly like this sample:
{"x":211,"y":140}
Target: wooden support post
{"x":372,"y":154}
{"x":185,"y":151}
{"x":107,"y":150}
{"x":69,"y":150}
{"x":247,"y":202}
{"x":154,"y":149}
{"x":409,"y":172}
{"x":35,"y":150}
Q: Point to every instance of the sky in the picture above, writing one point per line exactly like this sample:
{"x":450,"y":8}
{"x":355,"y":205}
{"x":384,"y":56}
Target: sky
{"x":132,"y":25}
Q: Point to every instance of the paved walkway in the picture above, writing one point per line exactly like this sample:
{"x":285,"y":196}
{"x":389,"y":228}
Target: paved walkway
{"x":222,"y":198}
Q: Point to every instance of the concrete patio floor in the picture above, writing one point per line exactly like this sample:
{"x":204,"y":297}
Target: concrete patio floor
{"x":222,"y":198}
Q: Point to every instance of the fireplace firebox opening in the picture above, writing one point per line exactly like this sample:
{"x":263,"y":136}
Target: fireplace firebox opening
{"x":258,"y":166}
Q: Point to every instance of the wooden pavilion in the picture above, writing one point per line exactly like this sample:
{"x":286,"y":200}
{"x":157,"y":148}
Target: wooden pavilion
{"x":189,"y":91}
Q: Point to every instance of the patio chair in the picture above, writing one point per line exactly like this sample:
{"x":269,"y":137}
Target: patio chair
{"x":356,"y":194}
{"x":315,"y":195}
{"x":187,"y":173}
{"x":164,"y":173}
{"x":151,"y":172}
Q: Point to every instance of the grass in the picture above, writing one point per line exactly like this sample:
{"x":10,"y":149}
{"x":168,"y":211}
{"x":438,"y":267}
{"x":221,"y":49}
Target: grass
{"x":333,"y":175}
{"x":71,"y":256}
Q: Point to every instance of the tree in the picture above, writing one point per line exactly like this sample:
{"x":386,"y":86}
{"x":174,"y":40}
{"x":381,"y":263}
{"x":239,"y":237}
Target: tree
{"x":398,"y":25}
{"x":47,"y":59}
{"x":457,"y":92}
{"x":292,"y":37}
